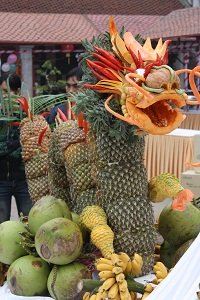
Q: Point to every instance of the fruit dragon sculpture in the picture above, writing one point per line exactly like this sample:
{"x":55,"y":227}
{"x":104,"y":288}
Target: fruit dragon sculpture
{"x":106,"y":168}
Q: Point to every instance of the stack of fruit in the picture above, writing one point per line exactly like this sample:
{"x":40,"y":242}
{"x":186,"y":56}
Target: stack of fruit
{"x":41,"y":254}
{"x":35,"y":136}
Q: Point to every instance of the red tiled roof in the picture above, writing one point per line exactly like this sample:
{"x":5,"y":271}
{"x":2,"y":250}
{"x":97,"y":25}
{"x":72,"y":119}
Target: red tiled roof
{"x":179,"y":23}
{"x":44,"y":28}
{"x":134,"y":24}
{"x":60,"y":29}
{"x":117,"y":7}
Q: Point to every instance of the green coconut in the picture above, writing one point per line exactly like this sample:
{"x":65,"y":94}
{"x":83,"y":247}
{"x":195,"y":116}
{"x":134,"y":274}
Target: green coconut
{"x":28,"y":275}
{"x":63,"y":281}
{"x":45,"y":209}
{"x":177,"y":227}
{"x":181,"y":250}
{"x":10,"y":247}
{"x":59,"y":241}
{"x":167,"y":253}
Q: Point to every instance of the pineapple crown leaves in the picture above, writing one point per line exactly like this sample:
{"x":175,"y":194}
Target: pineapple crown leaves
{"x":91,"y":103}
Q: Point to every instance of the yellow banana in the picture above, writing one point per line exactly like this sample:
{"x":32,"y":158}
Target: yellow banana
{"x":124,"y":260}
{"x":117,"y":270}
{"x":128,"y":267}
{"x":133,"y":295}
{"x":113,"y":291}
{"x":160,"y":267}
{"x":125,"y":295}
{"x":117,"y":297}
{"x":99,"y":296}
{"x":104,"y":267}
{"x":104,"y":295}
{"x":155,"y":280}
{"x":136,"y":268}
{"x":115,"y":259}
{"x":106,"y":274}
{"x":123,"y":286}
{"x":145,"y":295}
{"x":148,"y":288}
{"x":86,"y":296}
{"x":108,"y":283}
{"x":103,"y":260}
{"x":160,"y":275}
{"x":138,"y":258}
{"x":93,"y":297}
{"x":120,"y":277}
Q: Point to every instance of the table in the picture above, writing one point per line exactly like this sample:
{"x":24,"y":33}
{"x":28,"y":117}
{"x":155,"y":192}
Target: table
{"x":169,"y":153}
{"x":192,"y":120}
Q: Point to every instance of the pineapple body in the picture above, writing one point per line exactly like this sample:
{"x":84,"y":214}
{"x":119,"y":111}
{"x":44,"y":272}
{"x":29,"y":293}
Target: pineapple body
{"x":57,"y":177}
{"x":122,"y":191}
{"x":35,"y":155}
{"x":79,"y":167}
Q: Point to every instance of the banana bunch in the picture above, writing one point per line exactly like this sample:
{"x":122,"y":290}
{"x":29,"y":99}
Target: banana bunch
{"x":111,"y":270}
{"x":136,"y":265}
{"x":160,"y":272}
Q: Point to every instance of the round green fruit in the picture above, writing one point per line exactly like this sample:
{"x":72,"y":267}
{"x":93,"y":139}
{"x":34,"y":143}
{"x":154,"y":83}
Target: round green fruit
{"x":27,"y":276}
{"x":167,"y":253}
{"x":63,"y":281}
{"x":181,"y":250}
{"x":45,"y":209}
{"x":177,"y":227}
{"x":10,"y":248}
{"x":59,"y":241}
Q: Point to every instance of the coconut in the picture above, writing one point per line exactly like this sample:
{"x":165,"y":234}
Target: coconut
{"x":27,"y":276}
{"x":63,"y":281}
{"x":181,"y":250}
{"x":177,"y":227}
{"x":59,"y":241}
{"x":10,"y":247}
{"x":45,"y":209}
{"x":167,"y":253}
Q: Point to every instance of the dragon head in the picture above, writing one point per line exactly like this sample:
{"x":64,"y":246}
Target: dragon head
{"x":139,"y":78}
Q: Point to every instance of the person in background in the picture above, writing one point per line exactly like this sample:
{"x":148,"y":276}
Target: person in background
{"x":72,"y":85}
{"x":12,"y":172}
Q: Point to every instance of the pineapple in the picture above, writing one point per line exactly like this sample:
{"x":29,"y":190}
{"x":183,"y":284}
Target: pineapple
{"x":34,"y":153}
{"x":78,"y":165}
{"x":58,"y":181}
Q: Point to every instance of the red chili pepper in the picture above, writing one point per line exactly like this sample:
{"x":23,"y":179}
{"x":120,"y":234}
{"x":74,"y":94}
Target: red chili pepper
{"x":107,"y":62}
{"x":24,"y":104}
{"x":93,"y":86}
{"x":134,"y":57}
{"x":102,"y":70}
{"x":141,"y":63}
{"x":80,"y":120}
{"x":45,"y":114}
{"x":62,"y":115}
{"x":109,"y":56}
{"x":16,"y":123}
{"x":148,"y":69}
{"x":41,"y":136}
{"x":130,"y":69}
{"x":95,"y":73}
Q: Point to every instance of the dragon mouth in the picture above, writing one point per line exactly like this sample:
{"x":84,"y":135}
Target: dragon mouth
{"x":160,"y":117}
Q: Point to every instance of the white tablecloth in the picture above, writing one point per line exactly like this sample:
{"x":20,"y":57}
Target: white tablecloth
{"x":169,"y":153}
